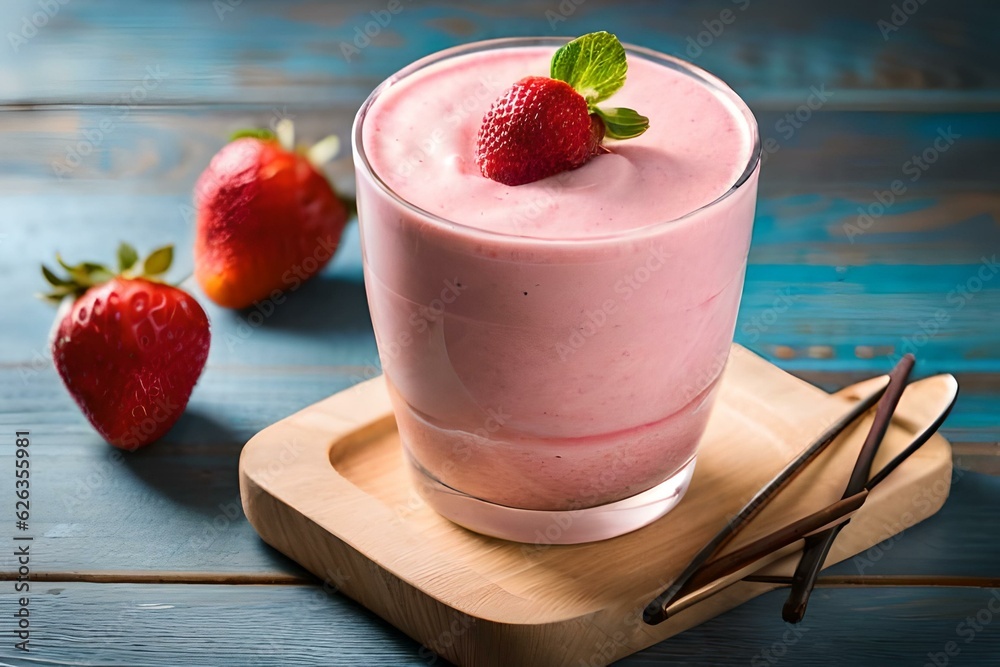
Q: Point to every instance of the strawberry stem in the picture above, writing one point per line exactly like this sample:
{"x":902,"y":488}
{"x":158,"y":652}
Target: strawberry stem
{"x":285,"y":131}
{"x":323,"y":150}
{"x":81,"y":277}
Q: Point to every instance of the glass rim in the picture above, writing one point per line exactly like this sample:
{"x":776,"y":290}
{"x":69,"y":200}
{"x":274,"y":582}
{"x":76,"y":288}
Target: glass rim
{"x":717,"y":85}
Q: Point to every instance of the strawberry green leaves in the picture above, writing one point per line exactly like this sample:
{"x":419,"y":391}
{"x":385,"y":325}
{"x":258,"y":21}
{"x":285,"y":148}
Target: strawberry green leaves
{"x":253,"y":133}
{"x":81,"y":277}
{"x":158,"y":262}
{"x":318,"y":154}
{"x":283,"y":133}
{"x":127,"y":257}
{"x":595,"y":66}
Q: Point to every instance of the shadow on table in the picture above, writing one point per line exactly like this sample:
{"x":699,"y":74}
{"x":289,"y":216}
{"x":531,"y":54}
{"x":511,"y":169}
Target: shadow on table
{"x":322,"y":305}
{"x":194,"y":465}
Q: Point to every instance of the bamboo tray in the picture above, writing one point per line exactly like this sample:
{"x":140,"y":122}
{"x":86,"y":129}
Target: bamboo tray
{"x":328,"y":487}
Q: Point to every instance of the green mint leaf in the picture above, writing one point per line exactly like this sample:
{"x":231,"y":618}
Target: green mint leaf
{"x":127,"y":257}
{"x":158,"y":261}
{"x":621,"y":123}
{"x":254,"y":133}
{"x":594,"y":65}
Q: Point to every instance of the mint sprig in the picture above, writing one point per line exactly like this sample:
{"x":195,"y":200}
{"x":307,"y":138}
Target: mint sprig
{"x":621,"y":123}
{"x":595,"y":66}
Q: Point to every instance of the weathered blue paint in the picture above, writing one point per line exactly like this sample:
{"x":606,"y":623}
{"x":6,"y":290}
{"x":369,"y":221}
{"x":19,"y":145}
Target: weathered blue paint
{"x":821,"y":299}
{"x":293,"y":50}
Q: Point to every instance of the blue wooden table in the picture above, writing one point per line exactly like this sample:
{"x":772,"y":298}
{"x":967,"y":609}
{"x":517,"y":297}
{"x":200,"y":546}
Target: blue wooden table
{"x":108,"y":112}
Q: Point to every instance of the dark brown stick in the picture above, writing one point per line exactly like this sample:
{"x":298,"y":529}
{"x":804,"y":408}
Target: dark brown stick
{"x":838,"y":512}
{"x":655,"y":611}
{"x":818,"y":546}
{"x":726,"y":570}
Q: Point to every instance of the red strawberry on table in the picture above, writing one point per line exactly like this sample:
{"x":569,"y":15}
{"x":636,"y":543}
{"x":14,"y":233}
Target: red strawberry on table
{"x":543,"y":126}
{"x":268,"y":219}
{"x":129,"y":347}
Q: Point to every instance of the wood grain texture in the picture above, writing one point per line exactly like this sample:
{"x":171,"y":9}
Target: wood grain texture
{"x":276,"y":626}
{"x":328,"y":487}
{"x":814,"y":302}
{"x":820,"y":272}
{"x":822,"y":151}
{"x":267,"y":52}
{"x":854,"y":302}
{"x":809,"y":298}
{"x":185,"y":488}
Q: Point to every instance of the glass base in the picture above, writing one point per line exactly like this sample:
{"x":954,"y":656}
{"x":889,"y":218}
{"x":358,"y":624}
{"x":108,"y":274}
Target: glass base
{"x":542,"y":528}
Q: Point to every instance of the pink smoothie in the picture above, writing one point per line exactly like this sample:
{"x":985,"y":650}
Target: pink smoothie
{"x":553,"y":345}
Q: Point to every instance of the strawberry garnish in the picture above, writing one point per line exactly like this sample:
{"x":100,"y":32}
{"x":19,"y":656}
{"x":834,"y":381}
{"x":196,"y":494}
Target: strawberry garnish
{"x":128,"y":347}
{"x":268,"y":219}
{"x":537,"y":128}
{"x":543,"y":126}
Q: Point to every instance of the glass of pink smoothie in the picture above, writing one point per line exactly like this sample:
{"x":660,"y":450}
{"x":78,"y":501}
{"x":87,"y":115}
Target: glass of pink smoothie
{"x":552,"y":350}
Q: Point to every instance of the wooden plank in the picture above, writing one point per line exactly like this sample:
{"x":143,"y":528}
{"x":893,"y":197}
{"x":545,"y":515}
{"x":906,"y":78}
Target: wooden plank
{"x":811,"y":153}
{"x":171,"y":507}
{"x":813,"y":301}
{"x":147,"y":625}
{"x":904,"y":626}
{"x":175,"y":507}
{"x":549,"y":606}
{"x":822,"y":292}
{"x":258,"y":52}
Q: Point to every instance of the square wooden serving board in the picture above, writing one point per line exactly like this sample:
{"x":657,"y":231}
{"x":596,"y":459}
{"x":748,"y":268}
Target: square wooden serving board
{"x":328,"y":487}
